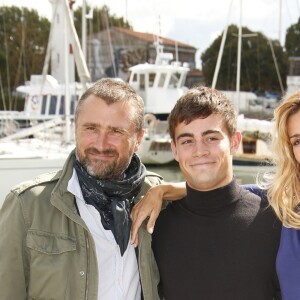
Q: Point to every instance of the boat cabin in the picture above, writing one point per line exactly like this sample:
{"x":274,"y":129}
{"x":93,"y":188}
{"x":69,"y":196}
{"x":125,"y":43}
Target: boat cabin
{"x":160,"y":85}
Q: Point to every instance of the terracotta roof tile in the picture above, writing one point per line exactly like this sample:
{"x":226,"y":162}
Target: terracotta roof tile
{"x":149,"y":37}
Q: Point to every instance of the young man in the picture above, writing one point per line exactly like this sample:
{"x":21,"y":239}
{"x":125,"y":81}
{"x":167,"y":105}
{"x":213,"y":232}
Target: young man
{"x":65,"y":235}
{"x":220,"y":241}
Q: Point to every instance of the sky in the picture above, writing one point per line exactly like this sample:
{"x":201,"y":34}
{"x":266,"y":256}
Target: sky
{"x":195,"y":22}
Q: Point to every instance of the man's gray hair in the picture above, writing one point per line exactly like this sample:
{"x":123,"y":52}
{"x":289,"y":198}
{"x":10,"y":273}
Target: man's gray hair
{"x":111,"y":91}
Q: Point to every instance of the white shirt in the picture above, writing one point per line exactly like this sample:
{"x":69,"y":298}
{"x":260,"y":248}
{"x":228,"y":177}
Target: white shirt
{"x":118,"y":275}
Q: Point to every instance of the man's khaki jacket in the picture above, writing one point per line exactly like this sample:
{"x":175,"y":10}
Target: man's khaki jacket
{"x":47,"y":251}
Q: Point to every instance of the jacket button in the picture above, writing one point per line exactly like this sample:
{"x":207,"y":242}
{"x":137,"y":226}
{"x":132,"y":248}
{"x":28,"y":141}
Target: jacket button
{"x":81,"y":273}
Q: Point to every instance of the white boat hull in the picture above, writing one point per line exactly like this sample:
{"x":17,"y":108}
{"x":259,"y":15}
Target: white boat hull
{"x":156,"y":151}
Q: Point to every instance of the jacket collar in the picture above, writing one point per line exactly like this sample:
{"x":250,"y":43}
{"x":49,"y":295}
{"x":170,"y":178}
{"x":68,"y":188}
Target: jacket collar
{"x":61,"y":198}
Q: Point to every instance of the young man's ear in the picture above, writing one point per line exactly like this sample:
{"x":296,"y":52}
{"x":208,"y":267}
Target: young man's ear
{"x":174,"y":150}
{"x":235,"y":142}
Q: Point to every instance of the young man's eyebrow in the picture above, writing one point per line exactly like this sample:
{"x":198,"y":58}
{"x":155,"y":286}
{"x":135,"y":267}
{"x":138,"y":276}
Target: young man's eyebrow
{"x":204,"y":133}
{"x":210,"y":131}
{"x":184,"y":135}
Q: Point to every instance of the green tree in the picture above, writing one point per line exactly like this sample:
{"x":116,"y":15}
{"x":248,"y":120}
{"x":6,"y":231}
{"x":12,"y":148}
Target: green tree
{"x":23,"y":42}
{"x":292,"y":39}
{"x":258,"y":72}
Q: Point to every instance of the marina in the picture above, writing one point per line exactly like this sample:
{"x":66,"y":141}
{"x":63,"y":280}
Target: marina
{"x":96,"y":131}
{"x":44,"y":142}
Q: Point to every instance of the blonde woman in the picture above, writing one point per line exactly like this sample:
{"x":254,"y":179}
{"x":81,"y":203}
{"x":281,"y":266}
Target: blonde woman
{"x":284,"y":194}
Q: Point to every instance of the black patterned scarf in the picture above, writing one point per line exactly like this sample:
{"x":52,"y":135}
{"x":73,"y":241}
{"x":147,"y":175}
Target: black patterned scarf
{"x":112,"y":198}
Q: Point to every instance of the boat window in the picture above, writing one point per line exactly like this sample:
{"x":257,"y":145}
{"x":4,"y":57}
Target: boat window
{"x":174,"y":80}
{"x":62,"y":105}
{"x":160,"y":146}
{"x":44,"y":104}
{"x":142,"y":81}
{"x":74,"y":99}
{"x":134,"y":78}
{"x":53,"y":103}
{"x":162,"y":79}
{"x":151,"y":79}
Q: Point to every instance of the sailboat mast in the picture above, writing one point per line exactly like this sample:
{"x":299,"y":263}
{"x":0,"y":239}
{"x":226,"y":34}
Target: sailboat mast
{"x":216,"y":73}
{"x":67,"y":90}
{"x":239,"y":51}
{"x":83,"y":29}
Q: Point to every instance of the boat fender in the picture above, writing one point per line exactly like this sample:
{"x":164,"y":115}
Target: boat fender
{"x":150,"y":121}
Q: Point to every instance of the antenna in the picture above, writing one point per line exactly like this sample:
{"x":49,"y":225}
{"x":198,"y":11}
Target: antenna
{"x":158,"y":26}
{"x":158,"y":46}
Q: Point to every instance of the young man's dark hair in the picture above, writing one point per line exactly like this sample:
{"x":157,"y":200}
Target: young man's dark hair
{"x":200,"y":102}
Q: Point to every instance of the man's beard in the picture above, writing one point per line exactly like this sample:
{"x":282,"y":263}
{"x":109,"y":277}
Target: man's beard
{"x":104,"y":169}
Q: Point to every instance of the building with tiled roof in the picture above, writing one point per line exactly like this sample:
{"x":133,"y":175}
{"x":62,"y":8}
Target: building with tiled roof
{"x":113,"y":51}
{"x":150,"y":38}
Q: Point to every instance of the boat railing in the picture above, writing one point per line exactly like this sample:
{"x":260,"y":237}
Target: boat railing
{"x":32,"y":130}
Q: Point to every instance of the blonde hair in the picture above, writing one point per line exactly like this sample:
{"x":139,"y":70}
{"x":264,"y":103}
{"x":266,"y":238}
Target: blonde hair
{"x":284,"y":189}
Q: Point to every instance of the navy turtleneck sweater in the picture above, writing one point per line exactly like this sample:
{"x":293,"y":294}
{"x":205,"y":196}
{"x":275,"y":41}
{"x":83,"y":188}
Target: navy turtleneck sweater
{"x":219,"y":244}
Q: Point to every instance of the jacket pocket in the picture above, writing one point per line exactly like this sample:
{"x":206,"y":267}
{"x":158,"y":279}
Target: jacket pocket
{"x":51,"y":260}
{"x":50,"y":243}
